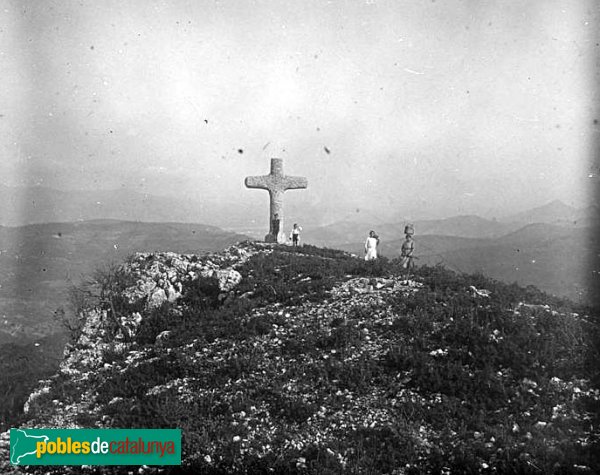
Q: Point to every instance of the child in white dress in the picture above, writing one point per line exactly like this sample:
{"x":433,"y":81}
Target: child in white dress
{"x":371,"y":246}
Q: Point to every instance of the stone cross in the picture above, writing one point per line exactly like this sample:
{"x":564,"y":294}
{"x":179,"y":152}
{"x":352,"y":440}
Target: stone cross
{"x":276,"y":183}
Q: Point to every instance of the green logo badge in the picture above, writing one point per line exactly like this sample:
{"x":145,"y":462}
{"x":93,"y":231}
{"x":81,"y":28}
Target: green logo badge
{"x":95,"y":446}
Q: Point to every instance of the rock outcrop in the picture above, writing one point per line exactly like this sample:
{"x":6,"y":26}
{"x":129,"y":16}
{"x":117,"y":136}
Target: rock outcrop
{"x":159,"y":278}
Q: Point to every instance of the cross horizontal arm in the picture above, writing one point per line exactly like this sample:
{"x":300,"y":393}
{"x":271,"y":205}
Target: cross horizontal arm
{"x":295,"y":182}
{"x":261,"y":182}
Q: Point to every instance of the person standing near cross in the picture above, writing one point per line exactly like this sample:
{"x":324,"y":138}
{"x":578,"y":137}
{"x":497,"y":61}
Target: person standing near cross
{"x":276,"y":183}
{"x":408,"y":247}
{"x":295,"y":234}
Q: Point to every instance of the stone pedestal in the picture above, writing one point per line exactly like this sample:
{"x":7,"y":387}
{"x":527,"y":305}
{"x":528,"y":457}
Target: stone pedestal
{"x":281,"y":238}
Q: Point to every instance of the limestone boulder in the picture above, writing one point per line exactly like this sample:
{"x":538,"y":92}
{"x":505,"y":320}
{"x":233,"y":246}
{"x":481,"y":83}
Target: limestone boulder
{"x":228,"y":279}
{"x":157,"y":297}
{"x":173,"y":291}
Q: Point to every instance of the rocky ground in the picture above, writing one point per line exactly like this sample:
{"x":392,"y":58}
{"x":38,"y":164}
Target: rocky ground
{"x":316,"y":362}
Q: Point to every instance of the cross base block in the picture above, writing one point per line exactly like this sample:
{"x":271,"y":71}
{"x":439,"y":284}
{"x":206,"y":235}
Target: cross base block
{"x":279,"y":239}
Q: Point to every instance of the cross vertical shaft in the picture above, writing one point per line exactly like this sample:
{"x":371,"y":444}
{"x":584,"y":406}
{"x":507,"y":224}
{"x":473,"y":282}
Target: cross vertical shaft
{"x":276,"y":183}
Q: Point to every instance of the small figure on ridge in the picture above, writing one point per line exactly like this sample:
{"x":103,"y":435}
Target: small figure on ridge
{"x":371,"y":246}
{"x":296,"y":234}
{"x":408,"y":247}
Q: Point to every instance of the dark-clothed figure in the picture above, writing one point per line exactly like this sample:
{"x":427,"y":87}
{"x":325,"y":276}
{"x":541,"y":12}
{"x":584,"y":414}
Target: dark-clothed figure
{"x":408,"y":247}
{"x":275,"y":225}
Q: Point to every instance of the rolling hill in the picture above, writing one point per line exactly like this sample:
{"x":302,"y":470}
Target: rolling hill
{"x":311,"y":361}
{"x":465,"y":226}
{"x":20,"y":206}
{"x":352,"y":231}
{"x":33,"y":205}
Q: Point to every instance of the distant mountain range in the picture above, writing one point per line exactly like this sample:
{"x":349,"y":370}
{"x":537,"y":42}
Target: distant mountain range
{"x":347,"y":232}
{"x":20,"y":206}
{"x":556,"y":212}
{"x":553,"y":247}
{"x":467,"y":226}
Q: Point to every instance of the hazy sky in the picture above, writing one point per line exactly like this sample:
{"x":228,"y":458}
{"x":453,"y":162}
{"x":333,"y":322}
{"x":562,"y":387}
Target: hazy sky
{"x":449,"y":107}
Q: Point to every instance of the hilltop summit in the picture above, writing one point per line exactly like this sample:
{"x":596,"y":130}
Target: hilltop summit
{"x":309,"y":360}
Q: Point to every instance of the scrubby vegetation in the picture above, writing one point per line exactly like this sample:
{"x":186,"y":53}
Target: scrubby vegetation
{"x":323,"y":363}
